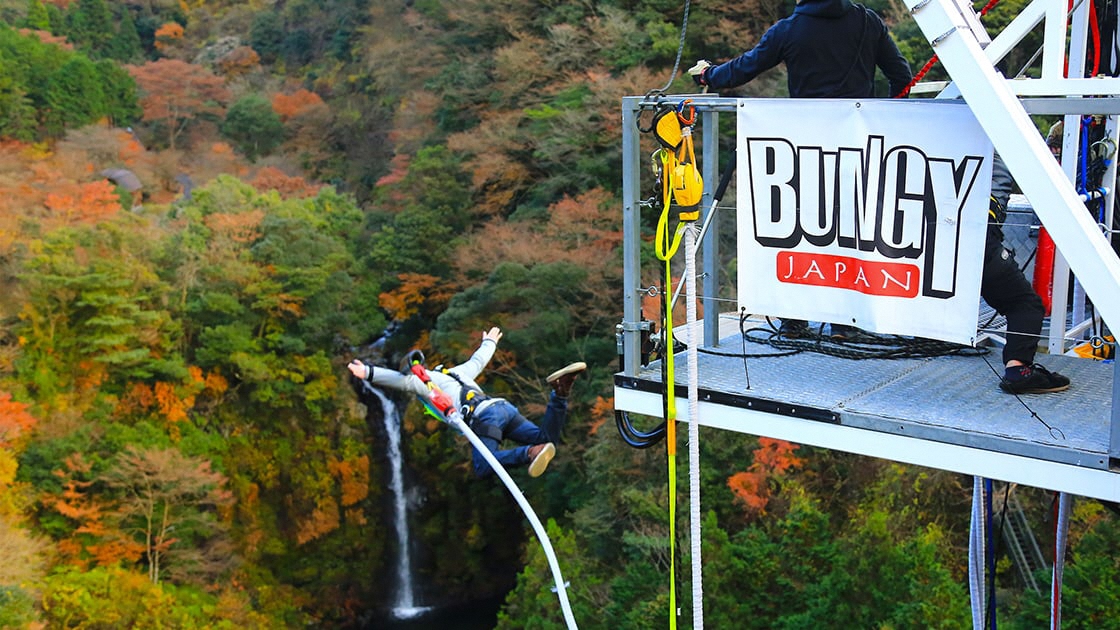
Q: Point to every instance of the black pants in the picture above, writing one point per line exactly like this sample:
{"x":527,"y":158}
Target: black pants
{"x":1004,"y":287}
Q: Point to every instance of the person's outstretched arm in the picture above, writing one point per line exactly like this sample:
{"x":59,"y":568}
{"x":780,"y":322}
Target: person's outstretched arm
{"x":384,"y":377}
{"x":472,"y":367}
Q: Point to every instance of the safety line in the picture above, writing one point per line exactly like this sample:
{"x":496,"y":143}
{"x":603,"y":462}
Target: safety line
{"x":690,"y":241}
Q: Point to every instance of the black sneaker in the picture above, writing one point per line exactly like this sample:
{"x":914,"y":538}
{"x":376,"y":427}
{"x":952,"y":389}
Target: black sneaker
{"x":1032,"y":379}
{"x":843,"y":332}
{"x":794,"y":329}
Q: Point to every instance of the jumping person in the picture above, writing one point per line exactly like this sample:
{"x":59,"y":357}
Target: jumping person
{"x":492,"y":419}
{"x":831,"y":49}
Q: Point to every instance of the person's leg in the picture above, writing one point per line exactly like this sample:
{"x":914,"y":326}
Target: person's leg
{"x":1007,"y":290}
{"x":1004,"y":287}
{"x":502,"y":418}
{"x":555,"y":417}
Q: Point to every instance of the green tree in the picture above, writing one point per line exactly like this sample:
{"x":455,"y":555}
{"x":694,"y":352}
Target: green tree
{"x":534,"y":603}
{"x":92,"y":313}
{"x":119,"y":87}
{"x":266,"y":35}
{"x":253,"y":126}
{"x":73,"y":95}
{"x":37,"y":16}
{"x":437,"y":197}
{"x":89,"y":25}
{"x":125,"y":44}
{"x":17,"y":112}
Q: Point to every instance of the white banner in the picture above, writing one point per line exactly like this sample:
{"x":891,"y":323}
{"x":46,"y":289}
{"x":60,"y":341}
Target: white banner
{"x":868,"y":213}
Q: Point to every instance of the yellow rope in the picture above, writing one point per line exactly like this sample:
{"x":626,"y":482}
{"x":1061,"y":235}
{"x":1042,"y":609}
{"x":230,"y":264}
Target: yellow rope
{"x":666,"y":248}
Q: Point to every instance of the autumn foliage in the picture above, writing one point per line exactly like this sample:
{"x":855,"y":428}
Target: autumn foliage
{"x":288,"y":106}
{"x":175,"y":93}
{"x":772,"y":459}
{"x":416,"y":292}
{"x":15,"y":421}
{"x":87,"y":203}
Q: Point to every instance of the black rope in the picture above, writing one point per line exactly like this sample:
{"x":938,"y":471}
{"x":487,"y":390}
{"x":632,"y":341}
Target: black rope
{"x":860,"y":345}
{"x":1055,"y":432}
{"x":680,"y":51}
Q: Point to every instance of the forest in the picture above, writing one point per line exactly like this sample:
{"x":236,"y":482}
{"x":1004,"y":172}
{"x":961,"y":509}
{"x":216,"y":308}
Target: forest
{"x":209,"y":207}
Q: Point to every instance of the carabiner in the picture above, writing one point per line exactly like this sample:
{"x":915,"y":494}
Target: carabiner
{"x":680,"y":112}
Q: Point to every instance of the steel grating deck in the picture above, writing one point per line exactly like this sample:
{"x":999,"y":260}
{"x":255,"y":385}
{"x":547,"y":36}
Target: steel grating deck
{"x":944,"y":412}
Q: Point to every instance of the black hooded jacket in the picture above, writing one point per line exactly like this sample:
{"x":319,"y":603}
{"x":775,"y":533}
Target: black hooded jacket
{"x":831,"y":49}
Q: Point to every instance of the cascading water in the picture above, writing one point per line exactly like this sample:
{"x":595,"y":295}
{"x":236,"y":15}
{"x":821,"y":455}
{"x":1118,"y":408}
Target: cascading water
{"x":404,"y":605}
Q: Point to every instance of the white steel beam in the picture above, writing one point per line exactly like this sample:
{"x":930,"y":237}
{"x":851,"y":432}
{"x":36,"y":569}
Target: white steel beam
{"x":1017,"y":140}
{"x":1083,"y":481}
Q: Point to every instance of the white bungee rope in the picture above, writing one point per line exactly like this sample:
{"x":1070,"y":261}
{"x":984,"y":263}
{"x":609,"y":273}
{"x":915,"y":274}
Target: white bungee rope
{"x":693,"y":427}
{"x":1061,"y":532}
{"x":976,"y":554}
{"x":455,"y":420}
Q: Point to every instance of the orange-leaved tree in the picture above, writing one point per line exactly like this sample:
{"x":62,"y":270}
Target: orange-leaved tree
{"x":772,"y":458}
{"x":15,"y":421}
{"x":288,"y":106}
{"x":175,"y":93}
{"x":417,"y":293}
{"x":92,"y":541}
{"x":83,"y":203}
{"x":173,"y":506}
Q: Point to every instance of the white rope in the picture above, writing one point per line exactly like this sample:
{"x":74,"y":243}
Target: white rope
{"x":976,"y":554}
{"x":456,"y":421}
{"x":1061,"y":532}
{"x":693,"y":426}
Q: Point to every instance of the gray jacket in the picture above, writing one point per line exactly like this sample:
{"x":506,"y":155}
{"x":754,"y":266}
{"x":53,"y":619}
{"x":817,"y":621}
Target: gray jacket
{"x":468,"y":371}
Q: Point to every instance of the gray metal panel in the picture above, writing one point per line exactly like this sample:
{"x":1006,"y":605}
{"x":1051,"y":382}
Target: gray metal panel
{"x":955,"y":400}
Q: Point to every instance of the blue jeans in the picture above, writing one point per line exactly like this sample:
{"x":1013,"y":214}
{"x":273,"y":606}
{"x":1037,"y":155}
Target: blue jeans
{"x":516,"y":427}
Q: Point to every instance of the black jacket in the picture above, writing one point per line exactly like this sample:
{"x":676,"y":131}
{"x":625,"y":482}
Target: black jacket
{"x":831,"y":49}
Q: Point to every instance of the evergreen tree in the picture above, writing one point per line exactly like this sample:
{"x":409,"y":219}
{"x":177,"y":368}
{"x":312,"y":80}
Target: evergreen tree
{"x":17,"y":113}
{"x":73,"y":95}
{"x":266,"y":35}
{"x":37,"y":16}
{"x":125,"y":43}
{"x":89,"y":25}
{"x":122,"y":103}
{"x":252,"y":125}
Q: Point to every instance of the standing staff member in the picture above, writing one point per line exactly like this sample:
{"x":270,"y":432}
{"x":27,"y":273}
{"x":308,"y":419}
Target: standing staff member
{"x":831,"y":49}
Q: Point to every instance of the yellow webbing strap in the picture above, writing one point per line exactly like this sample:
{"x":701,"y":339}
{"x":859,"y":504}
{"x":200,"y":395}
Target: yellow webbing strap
{"x":666,"y":247}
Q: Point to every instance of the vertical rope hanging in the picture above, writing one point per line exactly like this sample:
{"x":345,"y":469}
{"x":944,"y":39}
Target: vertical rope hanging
{"x":1061,"y":531}
{"x":976,"y":554}
{"x":690,"y":237}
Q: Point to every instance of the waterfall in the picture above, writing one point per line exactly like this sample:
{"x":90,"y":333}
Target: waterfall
{"x":404,"y":606}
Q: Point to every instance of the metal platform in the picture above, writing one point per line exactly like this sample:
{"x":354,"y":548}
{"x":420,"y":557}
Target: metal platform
{"x":944,"y":412}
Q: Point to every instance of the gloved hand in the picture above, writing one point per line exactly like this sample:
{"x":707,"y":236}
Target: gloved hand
{"x":697,"y":71}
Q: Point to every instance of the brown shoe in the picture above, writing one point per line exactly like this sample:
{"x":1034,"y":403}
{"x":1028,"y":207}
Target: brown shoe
{"x":539,"y":457}
{"x":562,"y":379}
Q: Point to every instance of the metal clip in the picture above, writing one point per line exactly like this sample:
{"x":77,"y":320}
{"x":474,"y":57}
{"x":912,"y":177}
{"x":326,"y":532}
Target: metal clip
{"x":918,"y":7}
{"x":940,"y":38}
